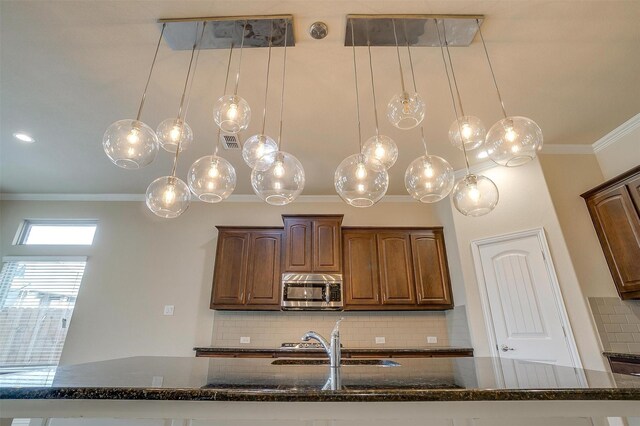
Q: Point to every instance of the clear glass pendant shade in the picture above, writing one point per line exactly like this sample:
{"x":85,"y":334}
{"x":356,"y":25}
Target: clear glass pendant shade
{"x":278,"y":178}
{"x":130,"y":144}
{"x":473,"y":132}
{"x":381,"y":148}
{"x":168,"y":197}
{"x":174,"y":132}
{"x":475,"y":195}
{"x":257,"y":146}
{"x":361,"y":182}
{"x":429,"y":178}
{"x":406,"y":110}
{"x":232,"y":113}
{"x":211,"y":178}
{"x":514,"y":141}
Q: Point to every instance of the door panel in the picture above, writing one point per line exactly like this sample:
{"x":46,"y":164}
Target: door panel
{"x":362,"y":285}
{"x":263,"y":276}
{"x":326,"y":245}
{"x":522,"y":302}
{"x":298,"y":252}
{"x":229,"y":277}
{"x":396,"y":273}
{"x":430,"y":269}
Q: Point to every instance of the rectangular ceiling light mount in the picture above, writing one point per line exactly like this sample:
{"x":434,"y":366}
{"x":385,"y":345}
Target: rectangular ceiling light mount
{"x":420,"y":30}
{"x":222,"y":32}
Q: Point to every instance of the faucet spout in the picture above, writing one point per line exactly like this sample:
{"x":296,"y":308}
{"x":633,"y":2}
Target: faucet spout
{"x":312,"y":335}
{"x":333,"y":349}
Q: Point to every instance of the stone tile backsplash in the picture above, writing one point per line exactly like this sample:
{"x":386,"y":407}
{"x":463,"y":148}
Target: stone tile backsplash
{"x":618,"y":323}
{"x":358,"y":330}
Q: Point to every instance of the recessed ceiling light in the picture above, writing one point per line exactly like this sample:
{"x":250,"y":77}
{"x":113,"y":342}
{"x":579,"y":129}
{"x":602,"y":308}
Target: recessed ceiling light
{"x":23,"y":137}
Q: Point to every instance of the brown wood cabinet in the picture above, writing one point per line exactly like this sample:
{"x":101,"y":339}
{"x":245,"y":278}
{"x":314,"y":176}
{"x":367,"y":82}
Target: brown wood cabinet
{"x":614,"y":207}
{"x":313,"y":243}
{"x":396,"y":269}
{"x":247,"y":269}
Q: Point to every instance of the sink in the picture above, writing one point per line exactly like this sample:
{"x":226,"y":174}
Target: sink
{"x":345,"y":362}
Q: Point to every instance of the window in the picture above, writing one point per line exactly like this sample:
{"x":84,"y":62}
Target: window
{"x":57,"y":232}
{"x":37,"y":296}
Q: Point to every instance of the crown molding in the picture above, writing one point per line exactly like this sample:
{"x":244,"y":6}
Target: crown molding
{"x":617,"y":133}
{"x":567,"y":149}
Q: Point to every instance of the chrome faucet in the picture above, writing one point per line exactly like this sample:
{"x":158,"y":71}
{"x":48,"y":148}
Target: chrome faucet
{"x":333,"y":350}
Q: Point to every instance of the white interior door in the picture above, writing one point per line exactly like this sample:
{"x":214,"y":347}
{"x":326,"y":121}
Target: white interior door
{"x":525,"y":308}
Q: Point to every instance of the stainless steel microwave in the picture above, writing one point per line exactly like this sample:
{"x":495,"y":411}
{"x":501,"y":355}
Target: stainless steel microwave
{"x":311,"y":292}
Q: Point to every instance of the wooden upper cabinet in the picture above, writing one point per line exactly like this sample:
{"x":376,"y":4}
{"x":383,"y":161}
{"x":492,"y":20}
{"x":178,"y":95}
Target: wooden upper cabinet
{"x":313,"y":244}
{"x":396,"y":273}
{"x":361,"y":281}
{"x":430,"y":268}
{"x":614,"y":210}
{"x":247,"y":270}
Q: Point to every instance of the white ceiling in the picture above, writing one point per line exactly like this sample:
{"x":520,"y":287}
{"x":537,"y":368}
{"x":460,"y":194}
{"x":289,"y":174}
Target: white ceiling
{"x":69,"y":69}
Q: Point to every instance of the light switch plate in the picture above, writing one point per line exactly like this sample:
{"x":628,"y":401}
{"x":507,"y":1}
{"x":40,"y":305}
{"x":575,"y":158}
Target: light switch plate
{"x":168,"y":309}
{"x":156,"y":381}
{"x":245,"y":339}
{"x":432,"y":339}
{"x":380,"y":340}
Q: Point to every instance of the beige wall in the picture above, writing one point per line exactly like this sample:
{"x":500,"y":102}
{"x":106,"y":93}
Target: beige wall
{"x":525,"y":204}
{"x":140,"y":263}
{"x":567,"y":177}
{"x":620,"y":156}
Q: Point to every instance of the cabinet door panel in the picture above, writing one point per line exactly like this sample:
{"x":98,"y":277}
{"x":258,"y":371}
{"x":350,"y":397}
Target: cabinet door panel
{"x":361,"y":283}
{"x":396,"y":274}
{"x":430,"y":268}
{"x":326,"y":245}
{"x":618,"y":228}
{"x":634,"y":189}
{"x":263,"y":276}
{"x":298,"y":252}
{"x":229,"y":278}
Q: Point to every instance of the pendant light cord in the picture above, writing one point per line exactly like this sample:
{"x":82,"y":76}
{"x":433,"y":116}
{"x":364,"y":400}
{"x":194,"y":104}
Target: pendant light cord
{"x":224,"y":91}
{"x":395,"y":36}
{"x":244,"y":30}
{"x":184,"y":91}
{"x":373,"y":86}
{"x":415,"y":87}
{"x":355,"y":76}
{"x":453,"y":99}
{"x":195,"y":68}
{"x":153,"y":63}
{"x":493,"y":75}
{"x":284,"y":73}
{"x":453,"y":74}
{"x":266,"y":86}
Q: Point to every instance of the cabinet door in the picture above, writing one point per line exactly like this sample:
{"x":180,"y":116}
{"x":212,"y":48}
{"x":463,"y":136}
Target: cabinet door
{"x":396,"y":273}
{"x":634,"y":189}
{"x":361,"y":282}
{"x":430,"y":268}
{"x":618,"y":227}
{"x":230,"y":275}
{"x":298,"y":250}
{"x":263,"y":273}
{"x":327,"y":253}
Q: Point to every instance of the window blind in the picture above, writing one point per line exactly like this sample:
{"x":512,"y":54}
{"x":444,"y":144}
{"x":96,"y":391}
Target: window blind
{"x":37,"y":297}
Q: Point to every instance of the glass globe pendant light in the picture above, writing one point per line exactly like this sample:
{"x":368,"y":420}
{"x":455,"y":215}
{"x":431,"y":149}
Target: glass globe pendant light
{"x":258,"y":145}
{"x":512,"y":141}
{"x":379,"y":147}
{"x":360,"y":181}
{"x":278,"y":177}
{"x":429,"y":178}
{"x":212,"y":178}
{"x":168,"y":196}
{"x":131,"y":144}
{"x":230,"y":112}
{"x":405,"y":110}
{"x":473,"y":195}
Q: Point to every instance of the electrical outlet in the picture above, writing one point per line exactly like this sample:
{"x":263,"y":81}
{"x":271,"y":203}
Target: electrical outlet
{"x":380,"y":340}
{"x":245,"y":339}
{"x":432,"y":339}
{"x":156,"y":381}
{"x":168,"y":309}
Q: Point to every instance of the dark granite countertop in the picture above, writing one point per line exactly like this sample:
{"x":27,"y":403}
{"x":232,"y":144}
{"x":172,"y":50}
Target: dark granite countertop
{"x":346,"y":352}
{"x":258,"y":379}
{"x":621,"y":355}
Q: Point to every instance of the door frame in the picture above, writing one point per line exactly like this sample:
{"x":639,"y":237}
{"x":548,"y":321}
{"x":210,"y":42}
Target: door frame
{"x":555,"y":287}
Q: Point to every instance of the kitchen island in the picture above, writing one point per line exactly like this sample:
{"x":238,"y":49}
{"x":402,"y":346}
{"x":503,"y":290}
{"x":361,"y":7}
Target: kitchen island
{"x":264,"y":391}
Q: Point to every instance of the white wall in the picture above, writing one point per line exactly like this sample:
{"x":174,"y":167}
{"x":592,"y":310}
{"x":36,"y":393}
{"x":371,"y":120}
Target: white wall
{"x":620,"y":156}
{"x":139,"y":263}
{"x":524,"y":204}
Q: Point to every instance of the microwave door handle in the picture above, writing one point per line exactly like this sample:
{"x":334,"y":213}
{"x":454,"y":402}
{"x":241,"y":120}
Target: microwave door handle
{"x":327,"y":295}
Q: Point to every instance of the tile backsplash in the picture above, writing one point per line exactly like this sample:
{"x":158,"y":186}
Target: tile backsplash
{"x":358,"y":330}
{"x":618,"y":323}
